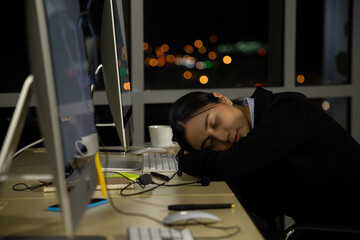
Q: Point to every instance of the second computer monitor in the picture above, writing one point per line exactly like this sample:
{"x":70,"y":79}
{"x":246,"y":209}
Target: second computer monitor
{"x":115,"y":70}
{"x":65,"y":109}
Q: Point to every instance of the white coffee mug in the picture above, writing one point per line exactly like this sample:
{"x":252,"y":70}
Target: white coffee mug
{"x":91,"y":142}
{"x":160,"y":135}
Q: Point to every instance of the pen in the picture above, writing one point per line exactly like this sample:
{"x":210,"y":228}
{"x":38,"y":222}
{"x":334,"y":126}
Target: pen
{"x":100,"y":174}
{"x":160,"y":176}
{"x":182,"y":207}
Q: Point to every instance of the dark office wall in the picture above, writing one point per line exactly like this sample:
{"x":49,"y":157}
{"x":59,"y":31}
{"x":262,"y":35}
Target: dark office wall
{"x":15,"y":64}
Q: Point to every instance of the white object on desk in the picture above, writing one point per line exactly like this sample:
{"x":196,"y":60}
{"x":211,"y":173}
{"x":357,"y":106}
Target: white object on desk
{"x":149,"y":149}
{"x":184,"y":216}
{"x":160,"y":135}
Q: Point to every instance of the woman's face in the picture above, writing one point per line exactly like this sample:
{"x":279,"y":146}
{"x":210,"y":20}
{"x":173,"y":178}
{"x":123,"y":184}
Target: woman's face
{"x":217,"y":126}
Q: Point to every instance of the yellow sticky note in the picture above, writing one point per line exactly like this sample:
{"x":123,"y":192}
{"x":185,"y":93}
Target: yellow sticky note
{"x":130,"y":176}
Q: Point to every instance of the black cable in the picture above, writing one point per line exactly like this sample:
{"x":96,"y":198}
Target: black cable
{"x":210,"y":225}
{"x":131,"y":214}
{"x":138,"y":193}
{"x":150,"y":189}
{"x":26,"y":187}
{"x":237,"y":228}
{"x":178,"y":184}
{"x":111,"y":200}
{"x":147,"y":190}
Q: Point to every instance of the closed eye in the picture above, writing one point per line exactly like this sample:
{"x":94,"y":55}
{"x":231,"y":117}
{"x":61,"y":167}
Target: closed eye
{"x":214,"y":122}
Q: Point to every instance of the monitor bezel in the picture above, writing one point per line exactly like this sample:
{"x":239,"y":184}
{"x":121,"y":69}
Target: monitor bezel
{"x":124,"y":123}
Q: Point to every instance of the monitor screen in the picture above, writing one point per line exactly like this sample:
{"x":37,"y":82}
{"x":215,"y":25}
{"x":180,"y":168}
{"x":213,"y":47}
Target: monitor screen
{"x":115,"y":69}
{"x":65,"y":110}
{"x":71,"y":78}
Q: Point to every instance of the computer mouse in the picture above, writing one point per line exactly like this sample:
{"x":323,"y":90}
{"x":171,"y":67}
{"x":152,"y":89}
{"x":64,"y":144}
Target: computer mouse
{"x":186,"y":217}
{"x":149,"y":149}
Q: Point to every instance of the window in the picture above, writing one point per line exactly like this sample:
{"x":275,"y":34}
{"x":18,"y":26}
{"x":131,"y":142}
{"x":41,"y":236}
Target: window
{"x":323,"y":42}
{"x":307,"y":43}
{"x":211,"y":44}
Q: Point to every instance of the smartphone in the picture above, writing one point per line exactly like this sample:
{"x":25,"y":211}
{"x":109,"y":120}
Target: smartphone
{"x":93,"y":203}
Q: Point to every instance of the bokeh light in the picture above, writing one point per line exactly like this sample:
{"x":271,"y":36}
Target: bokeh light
{"x":325,"y":105}
{"x":227,"y":59}
{"x":203,"y":79}
{"x":262,"y":52}
{"x":198,"y":43}
{"x":202,"y":49}
{"x":170,"y":58}
{"x":153,"y":62}
{"x":300,"y":78}
{"x":145,"y":46}
{"x":127,"y":86}
{"x":200,"y":65}
{"x":212,"y":55}
{"x":147,"y":61}
{"x":213,"y":38}
{"x":187,"y":74}
{"x":161,"y":61}
{"x":188,"y":49}
{"x":164,"y":47}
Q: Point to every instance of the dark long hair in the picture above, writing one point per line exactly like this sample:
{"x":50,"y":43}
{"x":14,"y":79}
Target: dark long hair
{"x":183,"y":110}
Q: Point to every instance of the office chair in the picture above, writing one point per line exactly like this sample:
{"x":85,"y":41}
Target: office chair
{"x":310,"y":231}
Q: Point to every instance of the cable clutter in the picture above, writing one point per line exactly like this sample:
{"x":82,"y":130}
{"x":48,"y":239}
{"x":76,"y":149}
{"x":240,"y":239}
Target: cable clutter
{"x":144,"y":180}
{"x":147,"y":179}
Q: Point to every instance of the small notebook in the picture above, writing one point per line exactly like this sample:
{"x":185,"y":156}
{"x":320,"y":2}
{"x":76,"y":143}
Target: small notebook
{"x":112,"y":183}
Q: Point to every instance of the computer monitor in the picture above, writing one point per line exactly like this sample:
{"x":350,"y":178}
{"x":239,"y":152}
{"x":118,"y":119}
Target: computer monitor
{"x":65,"y":109}
{"x":115,"y":70}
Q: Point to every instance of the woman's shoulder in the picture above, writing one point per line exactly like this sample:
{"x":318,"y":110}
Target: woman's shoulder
{"x":296,"y":96}
{"x":268,"y":98}
{"x":264,"y":93}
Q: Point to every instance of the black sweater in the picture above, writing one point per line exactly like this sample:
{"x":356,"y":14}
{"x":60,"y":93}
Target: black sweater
{"x":297,"y":161}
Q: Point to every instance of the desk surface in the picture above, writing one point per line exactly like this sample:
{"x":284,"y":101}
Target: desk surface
{"x":25,"y":213}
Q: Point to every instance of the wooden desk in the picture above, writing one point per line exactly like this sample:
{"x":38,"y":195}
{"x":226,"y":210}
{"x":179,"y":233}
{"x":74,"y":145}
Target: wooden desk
{"x":25,"y":213}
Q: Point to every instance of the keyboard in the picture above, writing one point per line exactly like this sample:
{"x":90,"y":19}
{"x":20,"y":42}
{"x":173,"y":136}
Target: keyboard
{"x":145,"y":233}
{"x":159,"y":162}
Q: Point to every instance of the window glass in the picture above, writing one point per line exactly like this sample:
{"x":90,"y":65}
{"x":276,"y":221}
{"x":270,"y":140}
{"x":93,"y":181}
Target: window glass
{"x":108,"y":135}
{"x":15,"y":66}
{"x":212,"y":44}
{"x":323,"y":42}
{"x":30,"y":132}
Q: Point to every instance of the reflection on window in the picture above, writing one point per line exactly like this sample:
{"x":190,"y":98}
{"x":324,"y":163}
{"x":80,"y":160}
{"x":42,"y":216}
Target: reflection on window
{"x":208,"y":44}
{"x":323,"y":42}
{"x":337,"y":108}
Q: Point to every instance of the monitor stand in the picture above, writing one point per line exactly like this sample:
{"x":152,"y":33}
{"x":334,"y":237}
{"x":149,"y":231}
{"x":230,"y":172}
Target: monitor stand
{"x":6,"y":156}
{"x":15,"y":128}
